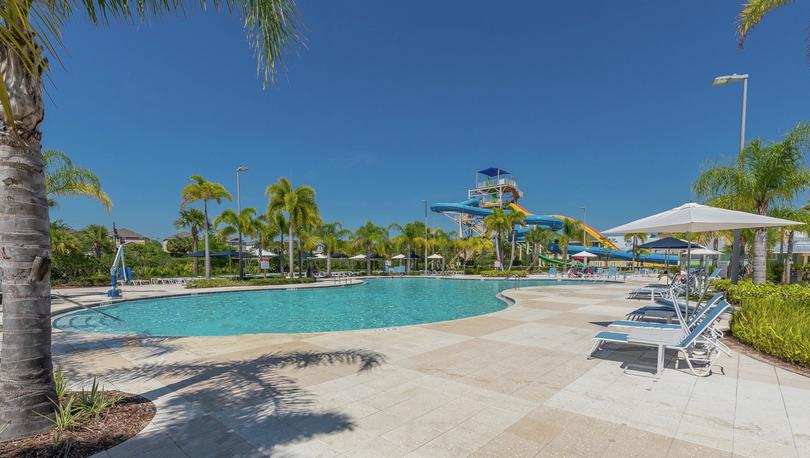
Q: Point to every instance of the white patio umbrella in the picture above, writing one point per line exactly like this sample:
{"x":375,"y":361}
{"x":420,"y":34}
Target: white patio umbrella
{"x":436,"y":256}
{"x":399,"y":256}
{"x":260,"y":253}
{"x":692,"y":217}
{"x":584,"y":254}
{"x":705,"y":252}
{"x":359,"y":256}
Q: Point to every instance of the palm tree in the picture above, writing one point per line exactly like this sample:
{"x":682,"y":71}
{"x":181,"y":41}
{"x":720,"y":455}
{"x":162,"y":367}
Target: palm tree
{"x":195,"y":221}
{"x":753,"y":11}
{"x":98,"y":238}
{"x":570,"y":231}
{"x":203,"y":190}
{"x":232,"y":224}
{"x":299,"y":206}
{"x":497,"y":223}
{"x":62,"y":178}
{"x":762,"y":175}
{"x":369,"y":237}
{"x":538,"y":237}
{"x":415,"y":237}
{"x":31,"y":31}
{"x":801,"y":215}
{"x":278,"y":222}
{"x":514,"y":218}
{"x":637,"y":238}
{"x":332,"y":236}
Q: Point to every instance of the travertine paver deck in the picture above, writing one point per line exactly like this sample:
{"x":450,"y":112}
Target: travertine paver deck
{"x":513,"y":383}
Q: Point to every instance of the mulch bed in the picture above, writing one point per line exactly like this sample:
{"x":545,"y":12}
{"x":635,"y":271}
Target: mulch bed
{"x":735,"y":344}
{"x":119,"y":423}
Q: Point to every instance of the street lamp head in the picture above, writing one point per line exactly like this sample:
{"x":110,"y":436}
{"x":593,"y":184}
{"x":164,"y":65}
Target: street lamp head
{"x":726,"y":79}
{"x":241,"y":168}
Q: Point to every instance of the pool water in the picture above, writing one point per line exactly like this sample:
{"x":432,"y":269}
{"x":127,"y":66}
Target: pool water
{"x":378,"y":304}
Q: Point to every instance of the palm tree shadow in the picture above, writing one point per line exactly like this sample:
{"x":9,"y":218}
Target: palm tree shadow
{"x":257,"y":399}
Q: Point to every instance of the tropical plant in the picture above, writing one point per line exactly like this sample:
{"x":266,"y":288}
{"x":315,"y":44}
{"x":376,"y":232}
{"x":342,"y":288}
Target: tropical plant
{"x":332,"y":236}
{"x":233,"y":223}
{"x":203,"y":190}
{"x":195,"y":221}
{"x":538,"y":237}
{"x":570,"y":231}
{"x":279,"y":225}
{"x":63,"y":239}
{"x":62,"y":178}
{"x":636,"y":238}
{"x":514,"y":219}
{"x":788,"y":233}
{"x":752,"y":13}
{"x":97,"y":239}
{"x":497,"y":223}
{"x":763,"y":175}
{"x":414,"y":236}
{"x":369,"y":237}
{"x":299,"y":206}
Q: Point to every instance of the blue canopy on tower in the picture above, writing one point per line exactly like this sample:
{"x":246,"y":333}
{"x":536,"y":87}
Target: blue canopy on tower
{"x":493,"y":172}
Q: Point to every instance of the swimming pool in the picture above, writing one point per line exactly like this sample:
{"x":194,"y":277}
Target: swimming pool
{"x":378,"y":304}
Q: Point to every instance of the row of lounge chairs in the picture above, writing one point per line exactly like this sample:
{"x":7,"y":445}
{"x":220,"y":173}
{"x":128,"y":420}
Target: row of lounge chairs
{"x":695,"y":336}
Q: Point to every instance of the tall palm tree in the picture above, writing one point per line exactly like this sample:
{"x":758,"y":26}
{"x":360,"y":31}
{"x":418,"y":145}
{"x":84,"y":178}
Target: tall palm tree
{"x":195,"y":221}
{"x":514,"y":219}
{"x":232,"y":223}
{"x":97,"y":238}
{"x":279,"y":224}
{"x":762,"y":175}
{"x":369,"y":237}
{"x":497,"y":223}
{"x":636,"y":238}
{"x":203,"y":190}
{"x":332,"y":235}
{"x":415,"y":237}
{"x":753,"y":11}
{"x":788,"y":233}
{"x":62,"y":178}
{"x":299,"y":206}
{"x":30,"y":31}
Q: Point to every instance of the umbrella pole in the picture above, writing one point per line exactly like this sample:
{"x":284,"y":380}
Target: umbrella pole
{"x":688,"y":264}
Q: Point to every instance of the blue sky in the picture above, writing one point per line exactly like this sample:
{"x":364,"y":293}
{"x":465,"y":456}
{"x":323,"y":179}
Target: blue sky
{"x":607,"y":105}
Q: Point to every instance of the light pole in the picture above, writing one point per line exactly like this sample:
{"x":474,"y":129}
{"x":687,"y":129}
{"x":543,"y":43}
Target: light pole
{"x":584,"y":222}
{"x":426,"y":234}
{"x":719,"y":81}
{"x":239,"y":170}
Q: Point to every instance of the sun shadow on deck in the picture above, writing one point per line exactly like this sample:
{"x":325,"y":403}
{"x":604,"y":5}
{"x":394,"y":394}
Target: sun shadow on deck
{"x":249,"y":404}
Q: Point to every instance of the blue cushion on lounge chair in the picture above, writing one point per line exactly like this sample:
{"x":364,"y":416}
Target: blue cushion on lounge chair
{"x":611,"y":336}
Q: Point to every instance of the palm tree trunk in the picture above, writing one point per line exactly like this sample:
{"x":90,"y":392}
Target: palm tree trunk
{"x":281,"y":255}
{"x":760,"y":254}
{"x":290,"y":248}
{"x":368,"y":260}
{"x":789,"y":258}
{"x":300,"y":258}
{"x":328,"y":263}
{"x":194,"y":243}
{"x":512,"y":256}
{"x":205,"y":236}
{"x":26,"y":371}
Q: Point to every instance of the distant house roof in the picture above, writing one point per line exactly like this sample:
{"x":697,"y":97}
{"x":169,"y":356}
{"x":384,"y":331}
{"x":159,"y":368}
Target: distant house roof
{"x":179,"y":235}
{"x":125,"y":233}
{"x":493,"y":172}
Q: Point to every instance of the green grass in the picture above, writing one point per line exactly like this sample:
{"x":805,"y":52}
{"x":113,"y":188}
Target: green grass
{"x":774,"y":319}
{"x":225,"y":282}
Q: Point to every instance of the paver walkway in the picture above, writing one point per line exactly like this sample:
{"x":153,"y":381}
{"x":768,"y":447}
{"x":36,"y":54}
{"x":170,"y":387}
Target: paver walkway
{"x":512,"y":383}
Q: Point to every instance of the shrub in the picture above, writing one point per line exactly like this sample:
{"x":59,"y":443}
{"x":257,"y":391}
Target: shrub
{"x":226,"y":282}
{"x":503,"y":273}
{"x":774,"y":319}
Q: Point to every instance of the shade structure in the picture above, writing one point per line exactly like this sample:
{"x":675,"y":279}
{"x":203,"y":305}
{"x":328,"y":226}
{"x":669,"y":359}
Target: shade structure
{"x":359,"y":256}
{"x":435,"y":256}
{"x":669,"y":243}
{"x":705,"y":252}
{"x":694,"y":217}
{"x":399,"y":256}
{"x":262,"y":253}
{"x":584,"y":254}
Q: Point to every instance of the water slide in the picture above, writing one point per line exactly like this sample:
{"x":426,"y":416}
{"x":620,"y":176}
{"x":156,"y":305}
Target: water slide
{"x":554,"y":222}
{"x":591,"y":231}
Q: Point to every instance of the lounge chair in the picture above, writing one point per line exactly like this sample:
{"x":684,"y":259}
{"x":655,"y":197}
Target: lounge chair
{"x":693,"y":320}
{"x":552,"y":272}
{"x":701,"y":345}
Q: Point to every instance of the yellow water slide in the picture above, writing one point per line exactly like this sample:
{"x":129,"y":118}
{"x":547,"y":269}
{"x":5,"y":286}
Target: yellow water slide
{"x":588,"y":229}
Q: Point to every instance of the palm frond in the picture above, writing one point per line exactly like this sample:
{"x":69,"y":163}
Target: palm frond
{"x":752,"y":13}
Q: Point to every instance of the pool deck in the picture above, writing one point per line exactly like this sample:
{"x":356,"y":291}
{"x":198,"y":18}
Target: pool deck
{"x":512,"y":383}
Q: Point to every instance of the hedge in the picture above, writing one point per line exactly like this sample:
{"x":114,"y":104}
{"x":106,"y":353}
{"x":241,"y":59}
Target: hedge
{"x":774,"y":319}
{"x":503,"y":273}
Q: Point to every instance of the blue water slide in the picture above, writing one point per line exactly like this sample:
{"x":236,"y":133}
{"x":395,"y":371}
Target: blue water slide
{"x":472,"y":207}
